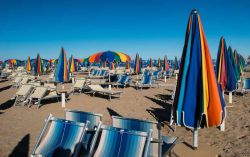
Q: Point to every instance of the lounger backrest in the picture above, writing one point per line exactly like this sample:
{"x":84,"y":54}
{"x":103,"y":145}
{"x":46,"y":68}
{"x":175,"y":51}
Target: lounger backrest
{"x":24,"y":90}
{"x":146,"y":72}
{"x":60,"y":138}
{"x":140,"y":125}
{"x":156,"y":74}
{"x":51,"y":86}
{"x":103,"y":72}
{"x":117,"y":142}
{"x":246,"y":84}
{"x":24,"y":80}
{"x":39,"y":92}
{"x":124,"y":79}
{"x":17,"y":79}
{"x":147,"y":79}
{"x":79,"y":83}
{"x":96,"y":87}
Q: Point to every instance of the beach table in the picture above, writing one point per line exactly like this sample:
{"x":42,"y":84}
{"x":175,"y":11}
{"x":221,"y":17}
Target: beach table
{"x":63,"y":93}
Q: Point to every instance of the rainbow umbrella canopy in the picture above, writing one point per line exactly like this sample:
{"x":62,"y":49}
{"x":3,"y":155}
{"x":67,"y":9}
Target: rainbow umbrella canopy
{"x":225,"y":72}
{"x":38,"y":65}
{"x":231,"y":56}
{"x":28,"y":65}
{"x":165,"y":64}
{"x":198,"y":100}
{"x":137,"y":68}
{"x":72,"y":65}
{"x":62,"y":72}
{"x":109,"y":56}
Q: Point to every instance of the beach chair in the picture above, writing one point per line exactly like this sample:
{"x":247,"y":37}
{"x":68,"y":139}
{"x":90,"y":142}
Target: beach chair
{"x":22,"y":93}
{"x":122,"y":81}
{"x":146,"y":81}
{"x":245,"y":85}
{"x":93,"y":128}
{"x":24,"y":80}
{"x":116,"y":142}
{"x":156,"y":74}
{"x":78,"y":85}
{"x":60,"y":138}
{"x":159,"y":146}
{"x":98,"y":89}
{"x":15,"y":83}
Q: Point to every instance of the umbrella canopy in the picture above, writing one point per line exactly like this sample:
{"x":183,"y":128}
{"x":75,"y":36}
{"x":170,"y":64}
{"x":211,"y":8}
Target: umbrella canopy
{"x":137,"y":64}
{"x":198,"y":101}
{"x":166,"y":65}
{"x":231,"y":56}
{"x":159,"y":63}
{"x":38,"y":65}
{"x":176,"y":65}
{"x":109,"y":56}
{"x":72,"y":64}
{"x":225,"y":71}
{"x":240,"y":61}
{"x":62,"y":72}
{"x":28,"y":65}
{"x":150,"y":63}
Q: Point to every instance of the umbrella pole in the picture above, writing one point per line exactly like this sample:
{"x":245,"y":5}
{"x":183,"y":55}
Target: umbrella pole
{"x":195,"y":138}
{"x":109,"y":75}
{"x":223,"y":125}
{"x":230,"y":97}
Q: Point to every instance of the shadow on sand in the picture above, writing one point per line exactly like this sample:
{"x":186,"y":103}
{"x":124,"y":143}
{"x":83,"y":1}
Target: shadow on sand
{"x":5,"y":88}
{"x":6,"y":105}
{"x":113,"y":113}
{"x":22,"y":148}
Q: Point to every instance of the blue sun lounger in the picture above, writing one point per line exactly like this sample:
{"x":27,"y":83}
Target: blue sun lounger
{"x":93,"y":127}
{"x":116,"y":142}
{"x":246,"y":85}
{"x":60,"y":137}
{"x":122,"y":81}
{"x":159,"y":146}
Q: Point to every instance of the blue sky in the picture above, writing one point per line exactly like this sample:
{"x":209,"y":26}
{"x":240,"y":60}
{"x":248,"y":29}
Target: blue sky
{"x":153,"y":28}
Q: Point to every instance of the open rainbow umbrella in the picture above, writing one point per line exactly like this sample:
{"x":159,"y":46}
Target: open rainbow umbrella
{"x":137,"y":64}
{"x":62,"y":72}
{"x":225,"y":71}
{"x":109,"y":56}
{"x":165,"y":63}
{"x":38,"y":65}
{"x":72,"y":64}
{"x":28,"y":65}
{"x":198,"y":101}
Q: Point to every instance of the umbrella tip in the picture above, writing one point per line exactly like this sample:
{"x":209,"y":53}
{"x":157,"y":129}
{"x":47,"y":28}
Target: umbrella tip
{"x":194,"y":11}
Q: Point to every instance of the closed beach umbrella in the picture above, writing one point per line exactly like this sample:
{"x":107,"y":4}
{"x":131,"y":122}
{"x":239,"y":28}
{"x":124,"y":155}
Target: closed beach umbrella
{"x":165,"y":64}
{"x":176,"y":65}
{"x":62,"y":73}
{"x":150,"y":63}
{"x":28,"y":65}
{"x":127,"y":65}
{"x":231,"y":56}
{"x":159,"y":63}
{"x":198,"y":101}
{"x":137,"y":64}
{"x":72,"y":64}
{"x":38,"y":66}
{"x":225,"y":71}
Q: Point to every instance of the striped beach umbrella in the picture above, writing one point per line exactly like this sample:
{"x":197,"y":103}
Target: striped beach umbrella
{"x":225,"y":71}
{"x":72,"y":64}
{"x":38,"y":65}
{"x":150,"y":63}
{"x":231,"y":56}
{"x":127,"y":65}
{"x":28,"y":65}
{"x":165,"y":64}
{"x":176,"y":65}
{"x":109,"y":56}
{"x":198,"y":100}
{"x":137,"y":64}
{"x":159,"y":63}
{"x":62,"y":72}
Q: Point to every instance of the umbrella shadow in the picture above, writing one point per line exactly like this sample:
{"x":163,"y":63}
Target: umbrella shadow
{"x":22,"y":148}
{"x":5,"y":80}
{"x":160,"y":102}
{"x":6,"y":105}
{"x":5,"y":88}
{"x":113,"y":113}
{"x":164,"y":97}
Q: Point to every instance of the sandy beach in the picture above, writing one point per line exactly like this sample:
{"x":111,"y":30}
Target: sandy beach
{"x":21,"y":126}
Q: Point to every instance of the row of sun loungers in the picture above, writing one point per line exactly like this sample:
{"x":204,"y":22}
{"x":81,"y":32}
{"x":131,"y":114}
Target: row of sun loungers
{"x":83,"y":134}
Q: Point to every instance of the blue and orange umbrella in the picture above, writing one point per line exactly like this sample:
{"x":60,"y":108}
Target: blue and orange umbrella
{"x":38,"y":65}
{"x":198,"y":100}
{"x":165,"y":64}
{"x":225,"y":71}
{"x":137,"y":68}
{"x":28,"y":65}
{"x":62,"y":71}
{"x":109,"y":56}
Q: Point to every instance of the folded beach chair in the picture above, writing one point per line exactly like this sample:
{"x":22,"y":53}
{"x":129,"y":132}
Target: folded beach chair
{"x":60,"y":138}
{"x":79,"y":85}
{"x":122,"y":81}
{"x":22,"y":93}
{"x":93,"y":128}
{"x":245,"y":85}
{"x":98,"y":89}
{"x":116,"y":142}
{"x":146,"y":81}
{"x":159,"y":146}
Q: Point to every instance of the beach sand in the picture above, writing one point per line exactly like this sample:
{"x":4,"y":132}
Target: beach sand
{"x":20,"y":126}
